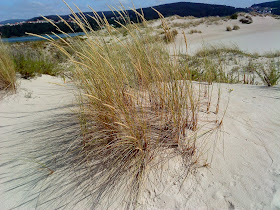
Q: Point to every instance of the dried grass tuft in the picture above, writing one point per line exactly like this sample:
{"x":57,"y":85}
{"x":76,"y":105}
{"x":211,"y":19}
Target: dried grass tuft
{"x":136,"y":106}
{"x":7,"y":69}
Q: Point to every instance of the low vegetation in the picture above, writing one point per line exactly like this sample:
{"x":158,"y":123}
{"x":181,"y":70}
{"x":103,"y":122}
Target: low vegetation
{"x":246,"y":20}
{"x":170,"y":35}
{"x":32,"y":59}
{"x":231,"y":65}
{"x":138,"y":108}
{"x":235,"y":27}
{"x":188,"y":24}
{"x":7,"y":69}
{"x":234,"y":16}
{"x":194,"y":31}
{"x":270,"y":75}
{"x":228,"y":28}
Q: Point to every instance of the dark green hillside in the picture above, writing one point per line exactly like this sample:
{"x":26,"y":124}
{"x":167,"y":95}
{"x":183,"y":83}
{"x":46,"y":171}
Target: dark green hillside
{"x":272,"y":4}
{"x":180,"y":8}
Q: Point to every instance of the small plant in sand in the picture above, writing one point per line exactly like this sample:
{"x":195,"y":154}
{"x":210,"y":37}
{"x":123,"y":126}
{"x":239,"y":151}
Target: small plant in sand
{"x":246,"y":20}
{"x":194,"y":31}
{"x":235,"y":27}
{"x":7,"y":69}
{"x":270,"y":75}
{"x":228,"y":28}
{"x":170,"y":35}
{"x":234,"y":16}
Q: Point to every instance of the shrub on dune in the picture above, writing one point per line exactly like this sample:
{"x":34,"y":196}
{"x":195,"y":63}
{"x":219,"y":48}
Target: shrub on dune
{"x":234,"y":16}
{"x":271,"y":75}
{"x":169,"y":36}
{"x":246,"y":20}
{"x":136,"y":103}
{"x":235,"y":27}
{"x":30,"y":62}
{"x":228,"y":28}
{"x":193,"y":31}
{"x":7,"y":70}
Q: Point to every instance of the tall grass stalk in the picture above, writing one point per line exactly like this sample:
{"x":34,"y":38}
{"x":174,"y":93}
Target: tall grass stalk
{"x":7,"y":69}
{"x":135,"y":103}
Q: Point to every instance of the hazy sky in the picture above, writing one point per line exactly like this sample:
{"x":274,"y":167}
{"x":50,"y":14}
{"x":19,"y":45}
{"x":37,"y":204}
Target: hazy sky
{"x":23,"y":9}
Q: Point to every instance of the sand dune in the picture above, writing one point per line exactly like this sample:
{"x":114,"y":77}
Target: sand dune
{"x":245,"y":170}
{"x":21,"y":114}
{"x":260,"y":36}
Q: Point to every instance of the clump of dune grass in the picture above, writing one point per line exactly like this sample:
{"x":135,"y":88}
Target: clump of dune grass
{"x":229,"y":64}
{"x":235,"y":27}
{"x":234,"y":16}
{"x":228,"y":28}
{"x":170,"y":35}
{"x":194,"y":31}
{"x":246,"y":20}
{"x":214,"y":20}
{"x":219,"y":51}
{"x":33,"y":61}
{"x":209,"y":65}
{"x":7,"y":69}
{"x":136,"y":104}
{"x":192,"y":23}
{"x":270,"y":75}
{"x":206,"y":69}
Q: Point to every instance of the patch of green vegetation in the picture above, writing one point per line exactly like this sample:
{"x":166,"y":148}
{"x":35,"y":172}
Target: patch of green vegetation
{"x":246,"y":20}
{"x":228,"y":28}
{"x":271,"y":75}
{"x":7,"y":69}
{"x":194,"y":31}
{"x":30,"y":62}
{"x":170,"y":35}
{"x":193,"y":23}
{"x":235,"y":27}
{"x":214,"y":64}
{"x":234,"y":16}
{"x":220,"y":50}
{"x":36,"y":58}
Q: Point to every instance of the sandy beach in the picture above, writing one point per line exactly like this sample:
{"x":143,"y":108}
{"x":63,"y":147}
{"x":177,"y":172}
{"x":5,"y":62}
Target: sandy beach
{"x":245,"y":170}
{"x":261,"y":36}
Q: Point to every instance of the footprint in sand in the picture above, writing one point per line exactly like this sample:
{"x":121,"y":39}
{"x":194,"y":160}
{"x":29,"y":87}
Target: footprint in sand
{"x":275,"y":171}
{"x":275,"y":204}
{"x":221,"y":195}
{"x":234,"y":180}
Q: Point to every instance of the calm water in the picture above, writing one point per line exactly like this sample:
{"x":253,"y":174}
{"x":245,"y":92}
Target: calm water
{"x":33,"y":38}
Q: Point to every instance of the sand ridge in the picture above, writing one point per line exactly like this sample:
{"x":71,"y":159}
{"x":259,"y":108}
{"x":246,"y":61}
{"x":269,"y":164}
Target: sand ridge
{"x":245,"y":170}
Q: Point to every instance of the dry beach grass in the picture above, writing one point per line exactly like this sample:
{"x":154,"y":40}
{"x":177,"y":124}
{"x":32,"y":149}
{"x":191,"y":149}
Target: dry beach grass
{"x":132,"y":108}
{"x":138,"y":108}
{"x":7,"y":69}
{"x":141,"y":116}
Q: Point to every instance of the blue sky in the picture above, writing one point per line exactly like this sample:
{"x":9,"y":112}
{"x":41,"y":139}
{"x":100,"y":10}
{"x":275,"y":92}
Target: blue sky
{"x":24,"y":9}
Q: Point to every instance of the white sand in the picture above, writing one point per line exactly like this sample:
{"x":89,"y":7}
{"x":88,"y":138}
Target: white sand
{"x":260,"y":36}
{"x":35,"y":100}
{"x":245,"y":171}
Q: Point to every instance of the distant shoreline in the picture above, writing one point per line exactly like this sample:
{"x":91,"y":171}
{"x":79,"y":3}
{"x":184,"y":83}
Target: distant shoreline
{"x":33,"y":38}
